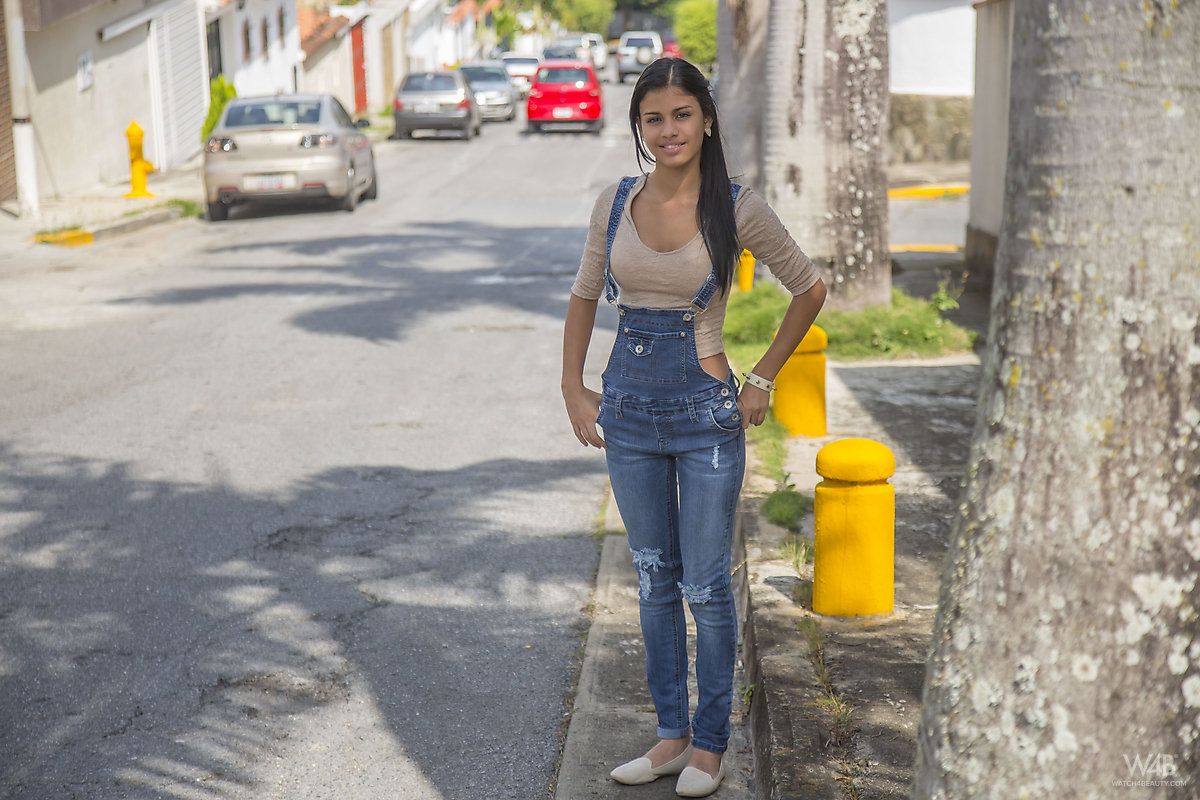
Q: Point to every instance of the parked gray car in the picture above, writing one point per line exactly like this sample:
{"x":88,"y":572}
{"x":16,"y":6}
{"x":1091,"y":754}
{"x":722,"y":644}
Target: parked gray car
{"x":494,"y":91}
{"x":439,"y":100}
{"x":287,"y":147}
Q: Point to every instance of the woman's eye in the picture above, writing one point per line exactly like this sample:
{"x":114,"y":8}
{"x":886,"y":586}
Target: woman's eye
{"x":684,"y":114}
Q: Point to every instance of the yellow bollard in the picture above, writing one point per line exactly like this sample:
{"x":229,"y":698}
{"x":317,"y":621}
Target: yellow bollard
{"x":800,"y":387}
{"x":745,"y":271}
{"x":139,"y":167}
{"x":854,"y":544}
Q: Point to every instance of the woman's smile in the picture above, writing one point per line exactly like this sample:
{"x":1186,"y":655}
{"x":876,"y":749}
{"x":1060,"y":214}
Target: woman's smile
{"x":672,"y":148}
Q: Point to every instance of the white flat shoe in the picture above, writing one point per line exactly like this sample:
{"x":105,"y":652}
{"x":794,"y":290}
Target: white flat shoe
{"x":640,"y":771}
{"x":694,"y":782}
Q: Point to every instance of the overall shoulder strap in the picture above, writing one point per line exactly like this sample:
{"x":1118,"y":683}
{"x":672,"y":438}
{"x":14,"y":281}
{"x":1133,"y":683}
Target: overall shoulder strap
{"x":734,"y":189}
{"x":611,"y":290}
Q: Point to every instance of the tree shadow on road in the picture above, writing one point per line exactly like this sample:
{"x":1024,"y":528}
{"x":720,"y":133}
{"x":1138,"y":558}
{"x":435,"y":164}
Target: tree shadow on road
{"x":378,"y":629}
{"x":381,"y":286}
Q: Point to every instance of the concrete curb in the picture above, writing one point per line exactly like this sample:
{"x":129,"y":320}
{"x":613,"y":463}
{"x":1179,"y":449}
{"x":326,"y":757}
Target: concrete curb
{"x":78,"y":237}
{"x":612,"y":719}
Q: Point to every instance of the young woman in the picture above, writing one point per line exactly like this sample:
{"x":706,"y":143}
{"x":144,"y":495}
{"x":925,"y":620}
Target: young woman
{"x":666,"y":244}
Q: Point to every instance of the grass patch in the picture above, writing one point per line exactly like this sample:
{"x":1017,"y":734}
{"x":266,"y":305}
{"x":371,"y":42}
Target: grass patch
{"x":186,"y":208}
{"x":770,"y":444}
{"x":908,"y":328}
{"x":785,"y":507}
{"x":58,"y":229}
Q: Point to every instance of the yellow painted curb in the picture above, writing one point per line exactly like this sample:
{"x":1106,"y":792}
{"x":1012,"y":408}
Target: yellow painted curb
{"x":924,"y":248}
{"x":926,"y":191}
{"x":75,"y":237}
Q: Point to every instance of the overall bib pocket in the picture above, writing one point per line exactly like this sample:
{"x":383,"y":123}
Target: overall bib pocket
{"x":654,"y":356}
{"x":725,"y":416}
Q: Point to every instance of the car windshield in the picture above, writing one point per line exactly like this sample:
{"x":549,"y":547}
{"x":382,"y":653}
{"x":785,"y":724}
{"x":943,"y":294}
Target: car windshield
{"x":559,"y":52}
{"x":485,"y":74}
{"x":260,"y":113}
{"x":562,"y":75}
{"x":521,"y":62}
{"x":429,"y":82}
{"x":637,"y":41}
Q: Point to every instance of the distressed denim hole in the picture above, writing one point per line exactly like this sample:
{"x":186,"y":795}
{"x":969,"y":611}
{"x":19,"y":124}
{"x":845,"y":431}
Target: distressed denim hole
{"x":695,"y":595}
{"x":645,"y":560}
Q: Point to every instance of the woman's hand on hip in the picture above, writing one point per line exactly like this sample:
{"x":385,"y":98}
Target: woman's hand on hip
{"x":583,"y":407}
{"x":753,"y":402}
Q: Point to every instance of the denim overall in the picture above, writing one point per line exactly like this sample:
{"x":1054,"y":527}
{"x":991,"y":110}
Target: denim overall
{"x":676,"y":458}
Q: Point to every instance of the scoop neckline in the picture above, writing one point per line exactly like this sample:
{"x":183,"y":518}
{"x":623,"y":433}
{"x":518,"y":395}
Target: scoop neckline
{"x":633,"y":226}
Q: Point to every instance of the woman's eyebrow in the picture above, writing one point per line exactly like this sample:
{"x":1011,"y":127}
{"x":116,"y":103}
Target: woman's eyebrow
{"x":680,"y":108}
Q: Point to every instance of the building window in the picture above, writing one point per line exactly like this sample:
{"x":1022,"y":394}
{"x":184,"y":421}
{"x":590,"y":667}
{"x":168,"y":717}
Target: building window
{"x":266,"y":36}
{"x":246,"y":41}
{"x":282,"y":25}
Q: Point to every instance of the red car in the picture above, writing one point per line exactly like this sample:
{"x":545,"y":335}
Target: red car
{"x":672,"y":49}
{"x":565,"y":90}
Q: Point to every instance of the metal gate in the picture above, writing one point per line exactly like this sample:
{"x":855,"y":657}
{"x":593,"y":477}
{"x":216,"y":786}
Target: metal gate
{"x":178,"y":68}
{"x":8,"y":161}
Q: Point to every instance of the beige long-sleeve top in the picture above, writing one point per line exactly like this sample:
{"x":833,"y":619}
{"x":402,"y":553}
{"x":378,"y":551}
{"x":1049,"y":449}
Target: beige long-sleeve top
{"x":650,"y":279}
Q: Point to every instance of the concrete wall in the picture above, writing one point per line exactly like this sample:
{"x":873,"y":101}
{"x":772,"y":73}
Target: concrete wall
{"x":330,"y":70}
{"x":80,"y":134}
{"x":741,"y":85}
{"x":931,"y":45}
{"x":274,"y":71}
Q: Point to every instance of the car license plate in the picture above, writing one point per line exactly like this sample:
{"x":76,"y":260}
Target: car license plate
{"x":562,"y":112}
{"x":426,"y":108}
{"x":268,"y":183}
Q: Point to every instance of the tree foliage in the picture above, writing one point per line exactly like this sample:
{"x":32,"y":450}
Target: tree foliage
{"x":584,"y":15}
{"x":695,"y":23}
{"x":220,"y":92}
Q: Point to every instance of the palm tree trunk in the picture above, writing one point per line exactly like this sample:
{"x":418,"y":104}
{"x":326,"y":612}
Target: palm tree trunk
{"x":1066,"y":648}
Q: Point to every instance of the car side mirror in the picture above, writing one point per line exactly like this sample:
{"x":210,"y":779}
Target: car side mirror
{"x":362,"y":122}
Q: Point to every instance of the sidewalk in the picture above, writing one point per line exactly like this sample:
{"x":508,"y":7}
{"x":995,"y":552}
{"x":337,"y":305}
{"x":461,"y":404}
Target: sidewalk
{"x":924,"y":410}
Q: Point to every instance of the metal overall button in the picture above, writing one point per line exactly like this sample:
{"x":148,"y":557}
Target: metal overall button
{"x":725,"y":392}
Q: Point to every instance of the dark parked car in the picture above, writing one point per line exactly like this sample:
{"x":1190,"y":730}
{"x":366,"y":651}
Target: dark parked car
{"x":439,"y":100}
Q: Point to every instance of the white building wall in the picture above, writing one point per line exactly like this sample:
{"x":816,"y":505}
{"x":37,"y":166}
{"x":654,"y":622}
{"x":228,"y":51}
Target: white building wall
{"x":330,"y":71}
{"x":272,"y":72}
{"x":64,"y":116}
{"x":931,"y":47}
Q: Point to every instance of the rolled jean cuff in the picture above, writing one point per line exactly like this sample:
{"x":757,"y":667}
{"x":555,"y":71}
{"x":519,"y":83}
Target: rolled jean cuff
{"x":672,"y":733}
{"x":700,"y":744}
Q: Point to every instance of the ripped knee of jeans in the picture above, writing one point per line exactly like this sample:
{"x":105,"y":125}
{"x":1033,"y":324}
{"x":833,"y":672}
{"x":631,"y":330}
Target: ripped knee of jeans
{"x":645,"y":560}
{"x":694,"y":594}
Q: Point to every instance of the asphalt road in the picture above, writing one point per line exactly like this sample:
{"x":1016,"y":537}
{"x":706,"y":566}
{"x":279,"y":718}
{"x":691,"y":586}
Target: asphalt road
{"x":289,"y":506}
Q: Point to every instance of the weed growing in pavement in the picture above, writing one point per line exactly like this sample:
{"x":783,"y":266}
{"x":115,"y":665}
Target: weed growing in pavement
{"x":797,"y":550}
{"x":836,"y":712}
{"x":186,"y":208}
{"x":786,"y":506}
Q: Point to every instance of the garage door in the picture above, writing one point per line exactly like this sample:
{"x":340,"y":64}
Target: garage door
{"x":180,"y":82}
{"x":8,"y":163}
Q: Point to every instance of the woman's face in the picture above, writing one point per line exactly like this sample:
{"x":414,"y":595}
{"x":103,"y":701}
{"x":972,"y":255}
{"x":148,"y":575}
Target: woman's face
{"x":672,"y":126}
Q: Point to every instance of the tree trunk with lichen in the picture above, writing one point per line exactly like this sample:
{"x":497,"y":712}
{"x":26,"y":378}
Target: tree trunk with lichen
{"x":1066,"y":650}
{"x":824,"y":128}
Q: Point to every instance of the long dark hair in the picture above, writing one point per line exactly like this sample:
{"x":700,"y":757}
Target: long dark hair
{"x":714,"y":211}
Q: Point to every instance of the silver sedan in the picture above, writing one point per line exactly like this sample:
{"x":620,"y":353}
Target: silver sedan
{"x":287,"y":147}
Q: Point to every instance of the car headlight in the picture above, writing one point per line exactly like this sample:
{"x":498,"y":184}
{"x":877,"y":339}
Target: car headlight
{"x":217,"y":144}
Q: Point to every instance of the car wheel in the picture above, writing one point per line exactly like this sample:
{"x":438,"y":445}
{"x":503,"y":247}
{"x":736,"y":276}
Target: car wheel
{"x":479,"y":129}
{"x":533,"y":127}
{"x":372,"y":192}
{"x":511,"y":116}
{"x":218,"y":212}
{"x":402,"y":135}
{"x":596,"y":128}
{"x":466,"y":133}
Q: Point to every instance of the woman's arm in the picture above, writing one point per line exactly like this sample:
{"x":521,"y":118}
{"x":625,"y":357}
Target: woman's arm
{"x":753,"y":402}
{"x":583,"y":404}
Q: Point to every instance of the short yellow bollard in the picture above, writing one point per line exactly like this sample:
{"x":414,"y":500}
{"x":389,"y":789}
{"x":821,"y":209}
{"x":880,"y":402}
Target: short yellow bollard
{"x":139,"y":167}
{"x":854,"y":544}
{"x":745,"y":271}
{"x":800,"y":387}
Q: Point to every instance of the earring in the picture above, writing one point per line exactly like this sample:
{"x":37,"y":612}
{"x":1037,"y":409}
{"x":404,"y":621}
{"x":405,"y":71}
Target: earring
{"x":708,"y":131}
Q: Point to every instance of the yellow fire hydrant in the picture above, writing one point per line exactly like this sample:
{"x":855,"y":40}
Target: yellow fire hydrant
{"x":745,"y":271}
{"x":800,"y":387}
{"x":854,"y":544}
{"x":139,"y":167}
